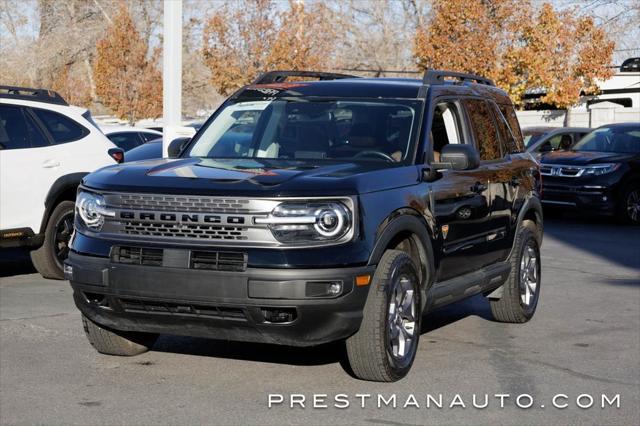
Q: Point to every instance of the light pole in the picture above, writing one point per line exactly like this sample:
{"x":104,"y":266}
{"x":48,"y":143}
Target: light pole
{"x":171,"y":72}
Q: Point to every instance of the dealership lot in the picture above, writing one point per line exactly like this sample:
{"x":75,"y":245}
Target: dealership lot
{"x":584,"y":339}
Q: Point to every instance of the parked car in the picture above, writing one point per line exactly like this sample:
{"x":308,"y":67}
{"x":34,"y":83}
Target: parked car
{"x":146,"y":151}
{"x":46,"y":147}
{"x":127,"y":137}
{"x":540,"y":140}
{"x":600,"y":174}
{"x":306,"y":212}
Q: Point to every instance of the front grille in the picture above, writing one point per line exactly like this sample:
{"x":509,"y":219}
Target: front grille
{"x":183,"y":203}
{"x":219,"y":261}
{"x":559,"y":170}
{"x":182,"y":309}
{"x":196,"y":259}
{"x":137,"y":256}
{"x":184,"y":230}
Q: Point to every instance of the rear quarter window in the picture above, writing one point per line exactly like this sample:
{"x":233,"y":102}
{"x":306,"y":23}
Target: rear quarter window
{"x":62,"y":128}
{"x":510,"y":114}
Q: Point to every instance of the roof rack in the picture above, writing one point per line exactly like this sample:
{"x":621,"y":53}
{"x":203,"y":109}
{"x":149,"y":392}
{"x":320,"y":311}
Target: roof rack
{"x":280,"y":76}
{"x":438,"y":77}
{"x":29,"y":94}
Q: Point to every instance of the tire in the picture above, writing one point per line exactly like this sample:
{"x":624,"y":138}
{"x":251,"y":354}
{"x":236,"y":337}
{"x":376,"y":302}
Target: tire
{"x":371,"y":352}
{"x":121,"y":343}
{"x":514,"y":306}
{"x":629,"y":204}
{"x":48,"y":259}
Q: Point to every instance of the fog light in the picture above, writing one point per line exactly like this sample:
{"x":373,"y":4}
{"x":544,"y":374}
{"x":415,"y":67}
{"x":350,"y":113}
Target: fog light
{"x":604,"y":198}
{"x":68,"y":272}
{"x":335,"y":289}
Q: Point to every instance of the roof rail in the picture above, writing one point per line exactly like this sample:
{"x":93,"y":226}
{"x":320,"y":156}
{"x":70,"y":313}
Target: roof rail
{"x":280,"y":76}
{"x":29,"y":94}
{"x":438,"y":77}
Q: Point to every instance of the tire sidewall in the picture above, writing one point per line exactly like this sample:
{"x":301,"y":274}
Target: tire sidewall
{"x":58,"y":214}
{"x":402,"y":265}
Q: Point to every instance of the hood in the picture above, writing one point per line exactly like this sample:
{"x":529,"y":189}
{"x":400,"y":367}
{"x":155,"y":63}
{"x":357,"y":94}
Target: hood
{"x":250,"y":177}
{"x":582,"y":158}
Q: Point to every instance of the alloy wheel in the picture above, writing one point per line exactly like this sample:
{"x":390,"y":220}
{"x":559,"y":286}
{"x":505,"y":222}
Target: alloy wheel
{"x":402,"y":319}
{"x":63,"y":231}
{"x":528,"y":276}
{"x":633,"y":205}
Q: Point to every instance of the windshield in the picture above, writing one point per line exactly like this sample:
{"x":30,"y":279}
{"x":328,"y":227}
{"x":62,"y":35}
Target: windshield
{"x":611,"y":139}
{"x":531,"y":137}
{"x":303,"y":129}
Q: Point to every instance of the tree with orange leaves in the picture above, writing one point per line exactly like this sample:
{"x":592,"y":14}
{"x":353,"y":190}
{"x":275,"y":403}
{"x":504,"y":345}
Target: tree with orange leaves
{"x":555,"y":52}
{"x":244,"y":39}
{"x":127,"y":80}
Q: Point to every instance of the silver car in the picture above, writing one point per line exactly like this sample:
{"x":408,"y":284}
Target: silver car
{"x":540,"y":140}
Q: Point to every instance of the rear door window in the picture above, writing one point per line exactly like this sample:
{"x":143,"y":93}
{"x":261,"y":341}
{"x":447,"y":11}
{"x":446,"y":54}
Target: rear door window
{"x":17,"y":129}
{"x":484,"y":128}
{"x":61,"y":128}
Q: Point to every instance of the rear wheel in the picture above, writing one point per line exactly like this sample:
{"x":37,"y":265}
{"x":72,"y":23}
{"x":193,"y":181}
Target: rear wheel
{"x":114,"y":342}
{"x":49,"y":259}
{"x":384,"y":348}
{"x":521,"y":291}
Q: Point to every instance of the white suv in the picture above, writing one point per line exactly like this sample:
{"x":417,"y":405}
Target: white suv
{"x":46,"y":148}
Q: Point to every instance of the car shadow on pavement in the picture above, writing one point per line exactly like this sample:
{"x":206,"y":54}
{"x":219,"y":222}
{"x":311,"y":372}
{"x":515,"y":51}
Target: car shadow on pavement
{"x":329,"y":353}
{"x":475,"y":306}
{"x":600,"y":236}
{"x":15,"y":262}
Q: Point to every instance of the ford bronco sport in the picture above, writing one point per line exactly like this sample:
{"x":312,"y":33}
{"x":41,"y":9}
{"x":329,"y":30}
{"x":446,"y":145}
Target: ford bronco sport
{"x":305,"y":212}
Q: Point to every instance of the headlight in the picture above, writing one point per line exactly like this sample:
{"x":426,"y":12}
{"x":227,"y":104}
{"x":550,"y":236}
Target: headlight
{"x":599,"y":169}
{"x":91,"y":209}
{"x":299,"y":222}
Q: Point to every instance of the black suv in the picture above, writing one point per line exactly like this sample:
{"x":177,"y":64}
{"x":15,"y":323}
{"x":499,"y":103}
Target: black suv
{"x":600,"y":174}
{"x":305,"y":212}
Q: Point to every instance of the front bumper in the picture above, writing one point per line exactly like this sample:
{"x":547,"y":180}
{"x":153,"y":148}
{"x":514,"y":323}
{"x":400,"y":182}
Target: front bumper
{"x":597,"y":199}
{"x":255,"y":305}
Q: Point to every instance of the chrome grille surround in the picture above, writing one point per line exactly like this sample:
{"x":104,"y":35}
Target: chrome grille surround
{"x":561,"y":170}
{"x":187,"y":219}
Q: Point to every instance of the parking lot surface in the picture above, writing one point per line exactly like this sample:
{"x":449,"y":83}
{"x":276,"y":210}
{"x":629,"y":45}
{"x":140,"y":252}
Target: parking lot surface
{"x":584,"y":339}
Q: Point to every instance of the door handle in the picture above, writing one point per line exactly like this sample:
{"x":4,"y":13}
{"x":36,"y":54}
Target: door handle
{"x":49,"y":164}
{"x":479,"y":187}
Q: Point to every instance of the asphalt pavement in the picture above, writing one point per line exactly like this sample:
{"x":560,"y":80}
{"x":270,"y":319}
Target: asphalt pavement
{"x":584,"y":340}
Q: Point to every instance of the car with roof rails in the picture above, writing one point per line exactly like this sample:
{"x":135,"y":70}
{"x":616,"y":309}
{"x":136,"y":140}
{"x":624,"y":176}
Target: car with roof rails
{"x":316,"y":207}
{"x":599,"y":175}
{"x":46,"y":147}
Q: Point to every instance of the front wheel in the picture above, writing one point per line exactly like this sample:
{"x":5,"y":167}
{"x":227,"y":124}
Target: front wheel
{"x":521,"y":291}
{"x":385,"y":346}
{"x":49,"y":259}
{"x":629,"y":209}
{"x":113,"y":342}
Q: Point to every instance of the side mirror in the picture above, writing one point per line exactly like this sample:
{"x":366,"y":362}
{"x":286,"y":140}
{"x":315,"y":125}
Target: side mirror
{"x":176,"y":146}
{"x":458,"y":157}
{"x":117,"y":154}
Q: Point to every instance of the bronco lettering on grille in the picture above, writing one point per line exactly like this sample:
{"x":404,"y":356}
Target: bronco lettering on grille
{"x":179,"y":217}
